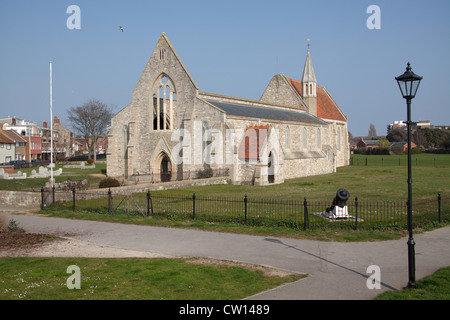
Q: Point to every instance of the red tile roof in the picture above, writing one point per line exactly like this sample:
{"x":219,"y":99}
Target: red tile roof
{"x":326,"y":107}
{"x":4,"y":137}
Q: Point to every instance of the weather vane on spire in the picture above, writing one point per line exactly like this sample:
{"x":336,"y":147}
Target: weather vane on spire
{"x":308,"y":43}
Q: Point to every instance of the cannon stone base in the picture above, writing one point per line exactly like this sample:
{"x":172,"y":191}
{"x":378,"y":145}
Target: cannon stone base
{"x":337,"y":213}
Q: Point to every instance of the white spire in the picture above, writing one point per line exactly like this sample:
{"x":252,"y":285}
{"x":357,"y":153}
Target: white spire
{"x":308,"y":71}
{"x":309,"y":85}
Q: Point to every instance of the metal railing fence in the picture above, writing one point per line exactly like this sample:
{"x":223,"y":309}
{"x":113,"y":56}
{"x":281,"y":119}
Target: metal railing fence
{"x":296,"y":214}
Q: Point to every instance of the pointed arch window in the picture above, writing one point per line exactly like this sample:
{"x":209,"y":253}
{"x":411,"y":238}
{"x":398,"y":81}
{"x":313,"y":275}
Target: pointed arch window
{"x":162,"y":54}
{"x":164,"y":96}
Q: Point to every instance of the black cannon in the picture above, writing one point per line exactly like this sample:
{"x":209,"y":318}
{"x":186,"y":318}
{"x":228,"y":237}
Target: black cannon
{"x":340,"y":200}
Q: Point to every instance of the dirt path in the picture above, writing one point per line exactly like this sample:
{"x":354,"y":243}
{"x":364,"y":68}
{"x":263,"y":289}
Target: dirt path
{"x":21,"y":244}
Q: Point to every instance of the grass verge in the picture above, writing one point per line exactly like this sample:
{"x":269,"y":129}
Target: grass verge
{"x":433,"y":287}
{"x":132,"y":279}
{"x":284,"y":232}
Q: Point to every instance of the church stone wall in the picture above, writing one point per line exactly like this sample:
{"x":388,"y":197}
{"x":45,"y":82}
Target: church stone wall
{"x":135,"y":147}
{"x":280,"y":92}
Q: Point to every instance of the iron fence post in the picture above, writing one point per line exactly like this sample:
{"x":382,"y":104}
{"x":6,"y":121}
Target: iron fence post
{"x":305,"y":212}
{"x":109,"y":201}
{"x":245,"y":205}
{"x":193,"y":206}
{"x":42,"y":198}
{"x":439,"y":206}
{"x":53,"y":194}
{"x":148,"y":203}
{"x":356,"y":213}
{"x":73,"y":197}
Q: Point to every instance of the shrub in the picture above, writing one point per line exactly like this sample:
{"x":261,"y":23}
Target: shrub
{"x":90,"y":161}
{"x":13,"y":226}
{"x":109,"y":182}
{"x":71,"y":184}
{"x":206,"y":173}
{"x":397,"y":149}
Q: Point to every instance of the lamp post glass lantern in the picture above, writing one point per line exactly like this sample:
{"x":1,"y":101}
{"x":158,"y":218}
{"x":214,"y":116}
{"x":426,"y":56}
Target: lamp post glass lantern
{"x":408,"y":83}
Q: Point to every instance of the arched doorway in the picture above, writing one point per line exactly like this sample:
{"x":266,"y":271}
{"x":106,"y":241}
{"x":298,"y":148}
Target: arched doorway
{"x":166,"y":169}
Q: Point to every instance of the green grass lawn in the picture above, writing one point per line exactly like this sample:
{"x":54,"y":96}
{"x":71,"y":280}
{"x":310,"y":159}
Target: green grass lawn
{"x":35,"y":184}
{"x":433,"y":287}
{"x":379,"y":180}
{"x":372,"y":182}
{"x":131,"y":279}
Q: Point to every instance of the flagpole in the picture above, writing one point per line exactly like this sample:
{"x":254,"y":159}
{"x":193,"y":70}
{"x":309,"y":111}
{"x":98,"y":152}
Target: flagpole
{"x":51,"y":129}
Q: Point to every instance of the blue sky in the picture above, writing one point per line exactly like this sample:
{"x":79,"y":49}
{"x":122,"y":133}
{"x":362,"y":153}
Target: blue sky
{"x":229,"y":47}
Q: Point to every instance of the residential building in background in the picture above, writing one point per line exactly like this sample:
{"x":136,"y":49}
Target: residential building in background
{"x":7,"y":148}
{"x":21,"y":144}
{"x":30,"y":131}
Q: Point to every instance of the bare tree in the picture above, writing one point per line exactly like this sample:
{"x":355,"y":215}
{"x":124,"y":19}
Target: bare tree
{"x":372,"y":130}
{"x":91,"y":121}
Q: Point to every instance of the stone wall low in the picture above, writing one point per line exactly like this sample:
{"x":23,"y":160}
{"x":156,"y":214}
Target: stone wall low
{"x":20,"y":199}
{"x":33,"y":199}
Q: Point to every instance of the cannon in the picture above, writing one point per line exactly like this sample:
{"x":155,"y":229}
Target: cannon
{"x":338,"y":209}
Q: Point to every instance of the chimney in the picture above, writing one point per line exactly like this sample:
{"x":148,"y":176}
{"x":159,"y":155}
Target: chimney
{"x":55,"y":119}
{"x":44,"y":124}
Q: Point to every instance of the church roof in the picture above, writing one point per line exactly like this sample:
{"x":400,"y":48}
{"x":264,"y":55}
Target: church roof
{"x":326,"y":107}
{"x":264,"y":112}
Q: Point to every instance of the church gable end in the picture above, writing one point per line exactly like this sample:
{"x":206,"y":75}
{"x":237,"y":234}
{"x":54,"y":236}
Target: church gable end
{"x":279,"y":91}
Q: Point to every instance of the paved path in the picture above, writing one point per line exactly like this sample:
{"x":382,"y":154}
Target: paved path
{"x":336,"y":270}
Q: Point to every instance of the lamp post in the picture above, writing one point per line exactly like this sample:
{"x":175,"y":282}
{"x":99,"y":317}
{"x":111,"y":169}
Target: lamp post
{"x":409,"y":83}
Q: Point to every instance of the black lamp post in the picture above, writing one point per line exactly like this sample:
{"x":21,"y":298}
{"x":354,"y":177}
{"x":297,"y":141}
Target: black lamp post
{"x":409,"y":83}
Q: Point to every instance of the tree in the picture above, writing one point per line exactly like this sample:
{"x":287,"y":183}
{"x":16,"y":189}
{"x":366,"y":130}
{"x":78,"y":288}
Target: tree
{"x":397,"y":135}
{"x":91,"y":121}
{"x":384,"y":144}
{"x":419,"y":138}
{"x":372,"y":131}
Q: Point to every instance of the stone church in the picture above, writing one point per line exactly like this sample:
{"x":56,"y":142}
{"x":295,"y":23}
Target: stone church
{"x":172,"y":130}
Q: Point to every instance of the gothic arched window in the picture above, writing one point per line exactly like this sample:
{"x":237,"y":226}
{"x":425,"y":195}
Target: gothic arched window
{"x":164,"y":96}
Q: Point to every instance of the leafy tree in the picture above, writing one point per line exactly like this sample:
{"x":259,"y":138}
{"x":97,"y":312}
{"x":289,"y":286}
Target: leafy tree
{"x":434,"y":136}
{"x":384,"y":144}
{"x":397,"y":135}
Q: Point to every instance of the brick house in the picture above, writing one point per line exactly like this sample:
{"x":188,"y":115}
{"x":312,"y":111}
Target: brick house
{"x":21,"y":145}
{"x":404,"y":145}
{"x":7,"y":148}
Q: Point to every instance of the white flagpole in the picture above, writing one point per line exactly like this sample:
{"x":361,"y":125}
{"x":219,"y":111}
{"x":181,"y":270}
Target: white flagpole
{"x":51,"y":129}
